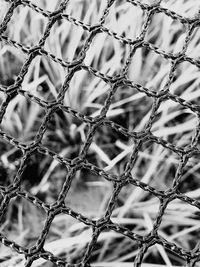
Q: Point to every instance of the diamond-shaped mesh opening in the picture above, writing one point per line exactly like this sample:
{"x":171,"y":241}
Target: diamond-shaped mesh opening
{"x":125,"y":19}
{"x":181,"y":228}
{"x":175,"y":123}
{"x":111,"y":247}
{"x":89,"y":194}
{"x":69,"y":243}
{"x":158,"y":254}
{"x":41,"y":179}
{"x":156,"y":166}
{"x":22,"y":119}
{"x":24,"y":222}
{"x":113,"y":54}
{"x":65,"y":40}
{"x":10,"y":158}
{"x":8,"y":71}
{"x":44,"y":78}
{"x":136,"y":210}
{"x":190,"y":180}
{"x":86,"y":93}
{"x":107,"y":150}
{"x":65,"y":133}
{"x":169,"y":40}
{"x":130,"y":108}
{"x":26,"y":26}
{"x":64,"y":225}
{"x":149,"y":69}
{"x":185,"y":82}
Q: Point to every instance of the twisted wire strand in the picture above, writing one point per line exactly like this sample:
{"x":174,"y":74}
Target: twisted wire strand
{"x":73,"y":165}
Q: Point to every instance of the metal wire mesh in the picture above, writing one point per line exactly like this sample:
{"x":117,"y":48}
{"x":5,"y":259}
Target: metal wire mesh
{"x":73,"y":165}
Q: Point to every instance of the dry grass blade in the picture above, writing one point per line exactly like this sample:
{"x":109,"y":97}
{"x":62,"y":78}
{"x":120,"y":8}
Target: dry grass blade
{"x":95,"y":94}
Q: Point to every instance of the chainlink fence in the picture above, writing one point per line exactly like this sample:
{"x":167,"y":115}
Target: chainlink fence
{"x":73,"y":165}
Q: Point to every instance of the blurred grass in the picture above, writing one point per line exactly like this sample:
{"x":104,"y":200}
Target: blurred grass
{"x":65,"y":135}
